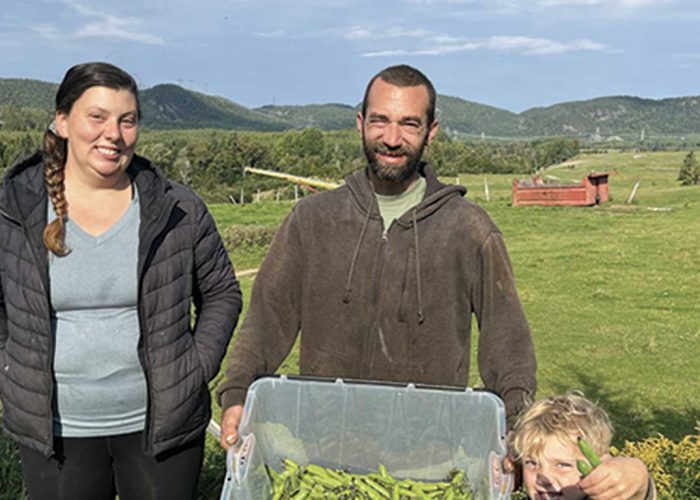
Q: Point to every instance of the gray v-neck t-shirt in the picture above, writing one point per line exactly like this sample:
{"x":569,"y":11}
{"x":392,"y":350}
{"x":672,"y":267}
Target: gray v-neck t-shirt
{"x":100,"y":384}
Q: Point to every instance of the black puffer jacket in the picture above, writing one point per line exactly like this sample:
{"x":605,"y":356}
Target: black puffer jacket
{"x":181,"y":261}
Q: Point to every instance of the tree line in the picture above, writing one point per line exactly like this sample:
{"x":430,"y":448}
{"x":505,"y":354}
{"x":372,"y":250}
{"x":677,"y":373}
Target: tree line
{"x":212,"y":161}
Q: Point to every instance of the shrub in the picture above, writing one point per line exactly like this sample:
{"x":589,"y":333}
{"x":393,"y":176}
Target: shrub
{"x":689,"y":174}
{"x":675,"y":466}
{"x":238,"y":236}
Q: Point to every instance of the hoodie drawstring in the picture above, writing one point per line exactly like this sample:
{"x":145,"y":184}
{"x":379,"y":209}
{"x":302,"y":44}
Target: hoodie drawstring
{"x":421,"y":316}
{"x":356,"y":253}
{"x":348,"y":283}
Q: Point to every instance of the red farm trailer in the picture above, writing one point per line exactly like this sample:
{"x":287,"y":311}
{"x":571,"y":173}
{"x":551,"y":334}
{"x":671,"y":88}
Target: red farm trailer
{"x":593,"y":190}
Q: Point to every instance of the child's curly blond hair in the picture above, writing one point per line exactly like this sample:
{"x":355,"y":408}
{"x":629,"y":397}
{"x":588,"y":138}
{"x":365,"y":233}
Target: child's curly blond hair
{"x":566,"y":417}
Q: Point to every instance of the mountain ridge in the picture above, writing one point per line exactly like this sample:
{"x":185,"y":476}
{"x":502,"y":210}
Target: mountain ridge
{"x":170,"y":106}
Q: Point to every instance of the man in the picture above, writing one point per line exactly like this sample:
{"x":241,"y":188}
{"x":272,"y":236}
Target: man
{"x":382,"y":275}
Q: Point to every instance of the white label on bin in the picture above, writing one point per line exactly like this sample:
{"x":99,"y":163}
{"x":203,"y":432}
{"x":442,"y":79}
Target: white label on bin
{"x":243,"y":455}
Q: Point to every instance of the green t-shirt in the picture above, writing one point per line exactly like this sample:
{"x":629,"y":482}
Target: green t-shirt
{"x":393,"y":207}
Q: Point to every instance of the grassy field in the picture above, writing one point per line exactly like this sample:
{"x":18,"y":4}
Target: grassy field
{"x":610,"y":292}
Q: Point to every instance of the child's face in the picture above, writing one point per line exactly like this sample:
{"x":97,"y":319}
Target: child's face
{"x":554,"y":473}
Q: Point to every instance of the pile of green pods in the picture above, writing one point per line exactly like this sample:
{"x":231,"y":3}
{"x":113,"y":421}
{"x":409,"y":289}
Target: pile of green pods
{"x":313,"y":481}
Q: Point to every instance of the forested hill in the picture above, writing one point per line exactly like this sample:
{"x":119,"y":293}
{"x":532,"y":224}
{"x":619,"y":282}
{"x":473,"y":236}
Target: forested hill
{"x":26,"y":104}
{"x":617,"y":115}
{"x":27,"y":93}
{"x":169,"y":106}
{"x":323,"y":116}
{"x":473,"y":118}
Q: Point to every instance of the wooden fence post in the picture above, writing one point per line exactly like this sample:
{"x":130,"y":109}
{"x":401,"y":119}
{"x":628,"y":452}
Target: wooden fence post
{"x":634,"y":192}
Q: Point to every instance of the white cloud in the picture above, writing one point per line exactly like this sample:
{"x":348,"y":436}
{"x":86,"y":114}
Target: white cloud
{"x":360,"y":33}
{"x":121,"y":28}
{"x":357,"y":33}
{"x":101,"y":25}
{"x":47,"y":31}
{"x":270,"y":34}
{"x":436,"y":44}
{"x":443,"y":45}
{"x":403,"y":32}
{"x":539,"y":46}
{"x":601,"y":3}
{"x":449,"y":2}
{"x":522,"y":7}
{"x":610,"y":7}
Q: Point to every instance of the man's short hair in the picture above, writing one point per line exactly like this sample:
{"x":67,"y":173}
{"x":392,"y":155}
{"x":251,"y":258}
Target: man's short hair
{"x":565,"y":417}
{"x":403,"y":75}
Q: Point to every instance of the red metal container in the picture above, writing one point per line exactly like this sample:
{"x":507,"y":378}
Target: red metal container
{"x":593,"y":190}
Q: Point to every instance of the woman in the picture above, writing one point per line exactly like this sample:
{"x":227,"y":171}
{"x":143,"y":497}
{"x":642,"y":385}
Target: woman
{"x":102,"y":377}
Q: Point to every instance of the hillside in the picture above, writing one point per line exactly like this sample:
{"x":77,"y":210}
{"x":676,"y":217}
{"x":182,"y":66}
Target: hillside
{"x":22,"y":93}
{"x":323,"y":116}
{"x":616,"y":115}
{"x":169,"y":106}
{"x":474,"y":118}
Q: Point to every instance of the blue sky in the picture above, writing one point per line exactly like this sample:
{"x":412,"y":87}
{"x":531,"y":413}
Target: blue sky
{"x":510,"y":54}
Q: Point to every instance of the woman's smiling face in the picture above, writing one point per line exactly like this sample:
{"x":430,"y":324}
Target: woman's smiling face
{"x":102,"y":129}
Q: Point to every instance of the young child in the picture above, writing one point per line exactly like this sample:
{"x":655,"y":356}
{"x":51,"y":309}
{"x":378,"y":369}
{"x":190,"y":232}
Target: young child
{"x":545,"y":441}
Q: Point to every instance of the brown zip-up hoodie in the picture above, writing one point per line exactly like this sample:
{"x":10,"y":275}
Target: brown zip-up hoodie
{"x":390,"y":304}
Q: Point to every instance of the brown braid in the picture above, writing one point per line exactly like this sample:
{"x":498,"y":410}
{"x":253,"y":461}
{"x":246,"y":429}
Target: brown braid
{"x":54,"y":164}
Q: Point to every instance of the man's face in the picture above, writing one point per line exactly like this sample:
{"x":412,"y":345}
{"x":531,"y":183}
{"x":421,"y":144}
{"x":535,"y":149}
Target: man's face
{"x":553,"y":474}
{"x":395,"y":130}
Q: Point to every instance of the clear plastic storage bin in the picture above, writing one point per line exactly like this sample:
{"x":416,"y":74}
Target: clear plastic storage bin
{"x":415,"y":432}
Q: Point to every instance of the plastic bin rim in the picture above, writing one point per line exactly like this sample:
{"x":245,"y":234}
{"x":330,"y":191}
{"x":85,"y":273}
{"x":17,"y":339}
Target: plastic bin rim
{"x":377,"y":383}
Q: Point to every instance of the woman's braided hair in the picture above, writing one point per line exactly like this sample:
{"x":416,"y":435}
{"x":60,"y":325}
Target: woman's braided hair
{"x":77,"y":80}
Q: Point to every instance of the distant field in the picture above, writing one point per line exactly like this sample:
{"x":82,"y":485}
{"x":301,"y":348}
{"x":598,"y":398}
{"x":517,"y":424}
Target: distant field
{"x":610,"y":292}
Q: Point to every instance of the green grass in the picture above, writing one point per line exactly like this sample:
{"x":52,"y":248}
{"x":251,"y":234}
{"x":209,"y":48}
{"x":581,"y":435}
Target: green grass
{"x":266,"y":213}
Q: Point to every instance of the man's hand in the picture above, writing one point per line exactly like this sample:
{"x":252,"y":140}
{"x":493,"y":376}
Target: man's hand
{"x":229,"y":426}
{"x":618,"y":478}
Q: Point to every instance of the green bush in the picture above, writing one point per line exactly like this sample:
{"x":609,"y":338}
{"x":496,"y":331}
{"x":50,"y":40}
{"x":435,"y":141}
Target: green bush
{"x":674,"y":465}
{"x":689,"y":174}
{"x":239,"y":236}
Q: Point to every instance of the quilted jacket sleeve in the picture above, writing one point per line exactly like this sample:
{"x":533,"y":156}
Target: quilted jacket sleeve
{"x":217,"y":294}
{"x":3,"y":320}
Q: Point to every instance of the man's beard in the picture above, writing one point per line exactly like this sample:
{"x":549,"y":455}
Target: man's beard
{"x":389,"y":172}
